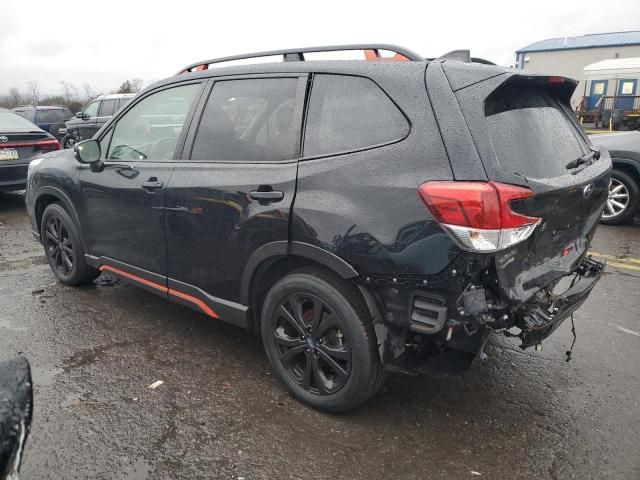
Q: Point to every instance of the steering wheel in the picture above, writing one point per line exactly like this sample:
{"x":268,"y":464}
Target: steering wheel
{"x":159,"y":150}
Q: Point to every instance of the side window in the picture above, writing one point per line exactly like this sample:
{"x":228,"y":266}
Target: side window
{"x":150,"y":129}
{"x":250,"y":120}
{"x":349,"y":113}
{"x":108,"y":107}
{"x":92,"y":109}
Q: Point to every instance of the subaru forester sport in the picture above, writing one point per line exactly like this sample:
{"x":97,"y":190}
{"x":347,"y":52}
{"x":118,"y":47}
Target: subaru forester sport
{"x":361,"y":216}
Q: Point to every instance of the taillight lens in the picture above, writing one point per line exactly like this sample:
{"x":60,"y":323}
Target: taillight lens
{"x":47,"y":145}
{"x":478,"y":215}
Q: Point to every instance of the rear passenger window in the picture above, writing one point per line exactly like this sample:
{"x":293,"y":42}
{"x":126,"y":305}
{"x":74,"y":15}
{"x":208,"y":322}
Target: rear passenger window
{"x":350,"y":113}
{"x":250,"y":120}
{"x":108,"y":107}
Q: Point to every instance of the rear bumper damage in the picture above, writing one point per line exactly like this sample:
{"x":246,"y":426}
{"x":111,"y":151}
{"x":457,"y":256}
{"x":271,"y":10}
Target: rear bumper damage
{"x":538,"y":320}
{"x":442,"y":324}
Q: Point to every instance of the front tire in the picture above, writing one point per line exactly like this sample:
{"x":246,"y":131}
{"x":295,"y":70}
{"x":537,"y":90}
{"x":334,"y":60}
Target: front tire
{"x":63,"y":248}
{"x":318,"y":335}
{"x":623,"y":199}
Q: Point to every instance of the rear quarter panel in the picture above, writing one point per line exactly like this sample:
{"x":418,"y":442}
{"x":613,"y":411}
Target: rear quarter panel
{"x":364,"y":206}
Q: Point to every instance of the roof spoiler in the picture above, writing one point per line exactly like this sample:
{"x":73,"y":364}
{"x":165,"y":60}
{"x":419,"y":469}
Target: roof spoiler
{"x":463,"y":56}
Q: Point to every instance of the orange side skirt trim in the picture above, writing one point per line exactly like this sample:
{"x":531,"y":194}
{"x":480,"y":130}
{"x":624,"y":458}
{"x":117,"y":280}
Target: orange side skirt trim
{"x":196,"y":301}
{"x":201,"y":305}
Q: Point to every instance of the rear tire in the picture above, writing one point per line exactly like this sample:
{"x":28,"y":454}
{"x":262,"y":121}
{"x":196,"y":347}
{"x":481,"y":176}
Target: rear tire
{"x":318,"y":335}
{"x":623,"y":190}
{"x":63,"y":248}
{"x":69,"y":142}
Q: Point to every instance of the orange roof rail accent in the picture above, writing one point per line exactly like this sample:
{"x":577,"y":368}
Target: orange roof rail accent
{"x":374,"y":56}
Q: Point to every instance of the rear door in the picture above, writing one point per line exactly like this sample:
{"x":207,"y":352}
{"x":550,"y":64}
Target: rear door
{"x":233,"y":190}
{"x":107,"y":109}
{"x":526,"y":134}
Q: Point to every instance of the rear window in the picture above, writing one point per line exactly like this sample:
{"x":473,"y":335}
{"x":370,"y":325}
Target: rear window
{"x":50,"y":116}
{"x":9,"y":121}
{"x":350,"y":113}
{"x":531,"y":133}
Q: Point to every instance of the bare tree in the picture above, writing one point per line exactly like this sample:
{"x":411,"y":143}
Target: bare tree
{"x":15,"y":96}
{"x":136,"y":85}
{"x":69,"y":92}
{"x":33,"y":92}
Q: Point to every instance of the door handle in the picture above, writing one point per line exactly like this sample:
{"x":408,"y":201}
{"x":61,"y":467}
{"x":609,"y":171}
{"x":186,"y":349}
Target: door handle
{"x":152,"y":184}
{"x":267,"y":196}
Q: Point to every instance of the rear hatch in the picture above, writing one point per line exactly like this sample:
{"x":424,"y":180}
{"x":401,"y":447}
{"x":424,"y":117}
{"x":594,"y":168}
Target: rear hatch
{"x":526,"y":134}
{"x":21,"y":140}
{"x":21,"y":147}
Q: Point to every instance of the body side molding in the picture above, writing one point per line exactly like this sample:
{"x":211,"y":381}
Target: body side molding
{"x":174,"y":290}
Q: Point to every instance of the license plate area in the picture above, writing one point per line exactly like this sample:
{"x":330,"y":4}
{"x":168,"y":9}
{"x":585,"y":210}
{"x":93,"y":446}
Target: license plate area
{"x":9,"y":154}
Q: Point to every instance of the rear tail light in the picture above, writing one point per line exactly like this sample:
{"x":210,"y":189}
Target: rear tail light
{"x":478,"y":215}
{"x":47,"y":145}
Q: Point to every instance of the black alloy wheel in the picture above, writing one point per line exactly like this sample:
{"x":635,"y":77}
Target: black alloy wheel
{"x":318,"y":334}
{"x":59,"y":246}
{"x":311,"y":344}
{"x":64,"y":248}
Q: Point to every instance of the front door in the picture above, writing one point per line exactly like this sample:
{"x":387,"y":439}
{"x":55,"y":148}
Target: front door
{"x":233,"y":190}
{"x":122,"y":206}
{"x":626,"y":93}
{"x":598,"y":90}
{"x":86,"y":126}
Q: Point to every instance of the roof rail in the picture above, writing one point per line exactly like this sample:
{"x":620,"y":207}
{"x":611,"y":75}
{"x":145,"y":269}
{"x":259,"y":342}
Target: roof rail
{"x":297,"y":54}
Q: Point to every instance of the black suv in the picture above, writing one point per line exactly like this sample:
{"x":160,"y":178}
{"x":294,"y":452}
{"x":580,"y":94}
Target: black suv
{"x":49,"y":118}
{"x":93,"y":116}
{"x":361,"y":216}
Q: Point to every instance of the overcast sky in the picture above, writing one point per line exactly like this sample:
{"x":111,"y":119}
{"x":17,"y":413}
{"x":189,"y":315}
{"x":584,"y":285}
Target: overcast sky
{"x":106,"y":42}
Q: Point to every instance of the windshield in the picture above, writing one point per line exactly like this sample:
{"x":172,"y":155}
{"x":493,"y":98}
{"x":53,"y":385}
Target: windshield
{"x":530,"y":132}
{"x":10,"y":121}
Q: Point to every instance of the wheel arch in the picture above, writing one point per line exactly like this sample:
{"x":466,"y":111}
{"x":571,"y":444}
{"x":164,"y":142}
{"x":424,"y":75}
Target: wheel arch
{"x":267,"y":264}
{"x":46,"y":196}
{"x":628,"y":166}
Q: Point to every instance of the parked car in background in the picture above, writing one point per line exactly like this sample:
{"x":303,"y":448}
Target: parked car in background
{"x":20,"y":141}
{"x":49,"y":118}
{"x":624,"y":189}
{"x":93,"y":116}
{"x":361,"y":216}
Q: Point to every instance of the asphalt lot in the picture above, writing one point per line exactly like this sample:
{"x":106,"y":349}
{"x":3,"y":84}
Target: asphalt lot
{"x":220,"y":414}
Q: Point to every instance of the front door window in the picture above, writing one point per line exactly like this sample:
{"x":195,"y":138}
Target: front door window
{"x":151,"y":128}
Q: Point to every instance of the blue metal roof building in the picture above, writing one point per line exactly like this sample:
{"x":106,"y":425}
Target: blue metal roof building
{"x":568,"y":56}
{"x":595,"y":40}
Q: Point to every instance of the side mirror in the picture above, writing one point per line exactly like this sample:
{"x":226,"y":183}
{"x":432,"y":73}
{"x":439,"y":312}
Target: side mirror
{"x":80,"y":115}
{"x":16,"y":408}
{"x":87,"y":151}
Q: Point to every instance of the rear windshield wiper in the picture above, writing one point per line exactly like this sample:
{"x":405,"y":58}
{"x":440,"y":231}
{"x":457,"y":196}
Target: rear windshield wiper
{"x":593,"y":153}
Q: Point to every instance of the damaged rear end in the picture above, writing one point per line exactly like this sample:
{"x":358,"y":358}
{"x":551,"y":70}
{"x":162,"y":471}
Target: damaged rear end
{"x":526,"y":198}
